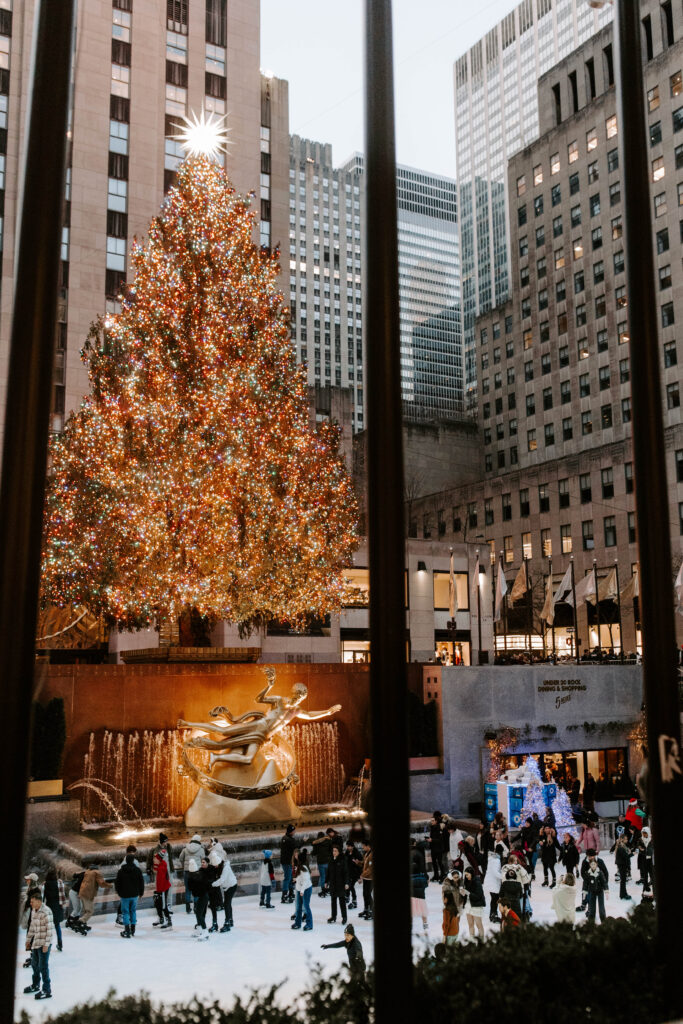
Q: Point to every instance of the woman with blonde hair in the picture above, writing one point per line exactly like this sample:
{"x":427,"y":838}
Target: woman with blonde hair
{"x":564,"y":899}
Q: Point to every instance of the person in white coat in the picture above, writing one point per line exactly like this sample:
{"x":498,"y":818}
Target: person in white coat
{"x":227,"y":883}
{"x":492,"y":881}
{"x":455,"y":836}
{"x":303,"y":888}
{"x":564,"y":899}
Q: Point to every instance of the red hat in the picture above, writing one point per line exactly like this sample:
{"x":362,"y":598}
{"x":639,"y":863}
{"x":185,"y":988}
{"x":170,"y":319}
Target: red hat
{"x":633,"y":802}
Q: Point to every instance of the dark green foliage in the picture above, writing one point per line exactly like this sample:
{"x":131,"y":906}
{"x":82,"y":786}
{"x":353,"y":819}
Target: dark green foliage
{"x":548,"y":975}
{"x":48,"y":739}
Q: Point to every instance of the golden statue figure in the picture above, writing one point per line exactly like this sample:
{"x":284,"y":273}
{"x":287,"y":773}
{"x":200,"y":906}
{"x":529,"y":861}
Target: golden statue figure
{"x":249,"y":762}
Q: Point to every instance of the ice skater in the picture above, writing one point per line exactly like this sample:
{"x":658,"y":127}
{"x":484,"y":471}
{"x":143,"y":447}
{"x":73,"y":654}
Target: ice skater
{"x":354,"y":952}
{"x":266,"y":879}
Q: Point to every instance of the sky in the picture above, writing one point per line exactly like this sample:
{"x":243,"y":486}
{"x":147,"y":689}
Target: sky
{"x":317,"y":45}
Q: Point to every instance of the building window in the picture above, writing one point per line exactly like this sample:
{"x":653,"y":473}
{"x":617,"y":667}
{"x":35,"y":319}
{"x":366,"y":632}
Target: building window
{"x":653,"y":99}
{"x":506,"y":504}
{"x":660,"y":204}
{"x":606,"y":417}
{"x":530,"y":405}
{"x":586,"y":423}
{"x":581,"y":315}
{"x":545,"y":363}
{"x":521,"y":215}
{"x":574,"y":184}
{"x":676,"y":84}
{"x":615,"y":193}
{"x":587,"y":534}
{"x":611,"y":126}
{"x":591,"y":140}
{"x":547,"y":398}
{"x":521,"y":185}
{"x":543,"y":299}
{"x":604,"y":378}
{"x":584,"y":385}
{"x":529,"y":370}
{"x":555,"y":195}
{"x":631,"y":520}
{"x":538,"y":206}
{"x":582,"y":350}
{"x":612,"y":161}
{"x":594,"y":203}
{"x":679,"y":466}
{"x":658,"y":170}
{"x":526,"y":545}
{"x":472,"y":515}
{"x":624,"y":371}
{"x":575,"y":216}
{"x":565,"y":392}
{"x":602,"y":340}
{"x":617,"y":229}
{"x":678,"y":157}
{"x":607,"y":481}
{"x":622,"y":334}
{"x":673,"y":398}
{"x":513,"y":455}
{"x":596,"y":238}
{"x":573,"y":152}
{"x":543,"y":498}
{"x":562,"y":323}
{"x":509,"y":553}
{"x":541,"y":267}
{"x":610,"y":528}
{"x":563,"y":488}
{"x":628,"y":477}
{"x":566,"y":538}
{"x":488,"y":512}
{"x":559,"y":258}
{"x":618,"y":260}
{"x":523,"y":246}
{"x":557,"y":227}
{"x":567,"y":429}
{"x":531,"y":443}
{"x":598,"y":272}
{"x":524,"y":502}
{"x":563,"y":355}
{"x":549,"y":434}
{"x":546,"y":544}
{"x":626,"y":410}
{"x":540,"y":237}
{"x":538,"y":174}
{"x":670,"y":355}
{"x":555,"y":163}
{"x":600,"y":307}
{"x":667,"y":314}
{"x":579,"y":283}
{"x":577,"y":247}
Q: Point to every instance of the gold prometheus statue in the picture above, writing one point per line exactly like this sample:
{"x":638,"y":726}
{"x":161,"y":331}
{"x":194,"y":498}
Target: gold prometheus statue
{"x":244,"y":737}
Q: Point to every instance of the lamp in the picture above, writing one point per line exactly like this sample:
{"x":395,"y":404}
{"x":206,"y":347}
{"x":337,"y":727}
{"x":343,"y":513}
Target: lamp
{"x":421,"y":567}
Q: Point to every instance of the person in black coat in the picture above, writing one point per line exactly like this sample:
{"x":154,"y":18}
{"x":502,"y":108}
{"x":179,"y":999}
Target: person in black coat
{"x":354,"y":952}
{"x":200,"y":882}
{"x":354,"y":864}
{"x":569,"y":854}
{"x":550,"y":848}
{"x":53,"y":899}
{"x":338,"y":881}
{"x":596,"y":883}
{"x":512,"y":890}
{"x":130,"y":886}
{"x":436,"y":848}
{"x":475,"y":904}
{"x":622,"y":859}
{"x":288,"y":845}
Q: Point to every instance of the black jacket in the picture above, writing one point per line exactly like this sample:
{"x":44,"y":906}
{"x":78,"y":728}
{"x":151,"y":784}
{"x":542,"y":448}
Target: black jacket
{"x":475,"y":893}
{"x":437,"y":839}
{"x":129,"y":881}
{"x":569,"y":855}
{"x":602,"y":871}
{"x":51,"y":897}
{"x":322,"y":848}
{"x":199,"y":882}
{"x":354,"y":863}
{"x":337,"y":876}
{"x":622,"y":859}
{"x":354,"y":952}
{"x":549,"y":851}
{"x":287,"y":848}
{"x":512,"y":892}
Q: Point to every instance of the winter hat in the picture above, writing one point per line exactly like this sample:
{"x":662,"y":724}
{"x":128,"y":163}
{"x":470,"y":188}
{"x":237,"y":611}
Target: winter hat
{"x":633,"y":802}
{"x":644,"y":832}
{"x":163,"y":838}
{"x":349,"y":930}
{"x":215,"y":858}
{"x":267,"y":854}
{"x":196,"y":838}
{"x":290,"y":829}
{"x":591,"y":852}
{"x":31,"y":878}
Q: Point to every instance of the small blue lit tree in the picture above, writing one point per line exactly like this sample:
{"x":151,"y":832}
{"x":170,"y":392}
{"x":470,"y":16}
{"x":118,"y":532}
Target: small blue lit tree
{"x":564,"y":819}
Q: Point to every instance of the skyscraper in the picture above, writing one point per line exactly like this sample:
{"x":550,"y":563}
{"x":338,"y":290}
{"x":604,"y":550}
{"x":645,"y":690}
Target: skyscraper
{"x":496,"y":115}
{"x":139,"y":68}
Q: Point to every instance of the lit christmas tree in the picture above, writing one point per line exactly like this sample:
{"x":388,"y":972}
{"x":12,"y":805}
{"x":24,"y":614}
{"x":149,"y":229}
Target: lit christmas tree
{"x":531,"y":766}
{"x":533,"y":801}
{"x":564,"y":819}
{"x":190,"y":477}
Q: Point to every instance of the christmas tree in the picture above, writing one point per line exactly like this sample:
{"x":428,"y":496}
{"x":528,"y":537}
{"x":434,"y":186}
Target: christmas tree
{"x":531,"y":766}
{"x":534,"y":801}
{"x":190,"y":477}
{"x":564,"y":819}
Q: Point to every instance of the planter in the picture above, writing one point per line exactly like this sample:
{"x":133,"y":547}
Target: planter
{"x":44,"y":787}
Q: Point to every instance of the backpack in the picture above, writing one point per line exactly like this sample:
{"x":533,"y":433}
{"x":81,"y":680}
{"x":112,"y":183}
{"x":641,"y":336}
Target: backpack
{"x":193,"y":865}
{"x":76,"y":884}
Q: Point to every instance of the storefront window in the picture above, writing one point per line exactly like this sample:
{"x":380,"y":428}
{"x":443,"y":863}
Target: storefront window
{"x":441,"y":600}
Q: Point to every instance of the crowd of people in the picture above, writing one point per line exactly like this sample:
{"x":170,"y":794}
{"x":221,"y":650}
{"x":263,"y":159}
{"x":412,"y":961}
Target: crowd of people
{"x":495,"y":871}
{"x":344,"y":868}
{"x":488,"y":872}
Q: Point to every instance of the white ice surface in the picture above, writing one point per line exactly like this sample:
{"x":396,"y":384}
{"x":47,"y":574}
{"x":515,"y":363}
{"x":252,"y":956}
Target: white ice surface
{"x":260,"y":950}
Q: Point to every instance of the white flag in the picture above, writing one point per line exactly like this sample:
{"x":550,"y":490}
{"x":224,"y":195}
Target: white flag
{"x":501,"y":591}
{"x":475,"y":581}
{"x":607,"y":588}
{"x":631,"y":590}
{"x":678,"y":587}
{"x":564,"y":591}
{"x":585,"y":589}
{"x":519,"y":587}
{"x":452,"y":593}
{"x":548,"y":613}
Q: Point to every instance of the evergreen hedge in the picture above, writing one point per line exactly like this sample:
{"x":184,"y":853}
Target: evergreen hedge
{"x":548,"y":975}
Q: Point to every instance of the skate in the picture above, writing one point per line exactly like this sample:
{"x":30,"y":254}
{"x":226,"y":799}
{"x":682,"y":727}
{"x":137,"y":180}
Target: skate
{"x":125,"y":934}
{"x":43,"y":995}
{"x":214,"y":927}
{"x":226,"y":927}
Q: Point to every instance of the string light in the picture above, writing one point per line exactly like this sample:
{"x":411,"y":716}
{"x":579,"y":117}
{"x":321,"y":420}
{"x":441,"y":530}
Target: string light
{"x":190,"y":477}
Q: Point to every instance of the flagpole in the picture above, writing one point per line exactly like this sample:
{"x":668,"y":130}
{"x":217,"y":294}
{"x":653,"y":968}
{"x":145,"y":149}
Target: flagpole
{"x":505,"y":609}
{"x":530,"y":622}
{"x":493,"y":609}
{"x":597,"y":604}
{"x":476,"y":580}
{"x":576,"y":621}
{"x":621,"y":631}
{"x":550,"y":573}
